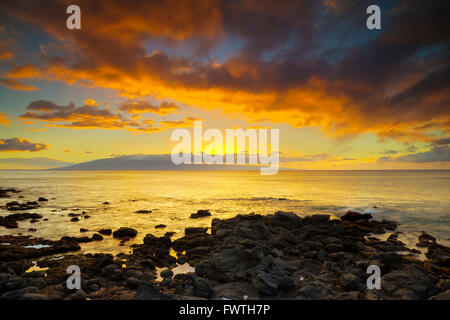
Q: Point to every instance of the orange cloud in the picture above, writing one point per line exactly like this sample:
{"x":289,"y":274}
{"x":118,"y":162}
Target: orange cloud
{"x":3,"y":119}
{"x":17,"y":85}
{"x":91,"y":103}
{"x":143,"y":107}
{"x":18,"y":144}
{"x":376,"y":86}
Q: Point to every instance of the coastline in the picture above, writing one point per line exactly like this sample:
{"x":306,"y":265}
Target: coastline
{"x":279,"y":256}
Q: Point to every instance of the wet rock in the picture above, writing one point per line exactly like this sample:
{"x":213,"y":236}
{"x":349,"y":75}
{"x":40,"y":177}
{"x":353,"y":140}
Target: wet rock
{"x":125,"y":232}
{"x":202,"y":288}
{"x":412,"y":279}
{"x":148,"y":291}
{"x":166,"y":273}
{"x":19,"y":293}
{"x":10,"y":221}
{"x":441,"y":296}
{"x":38,"y":282}
{"x":105,"y":232}
{"x":133,"y":283}
{"x":34,"y":297}
{"x":440,"y":255}
{"x":16,"y":283}
{"x":97,"y":237}
{"x":102,"y":261}
{"x":425,"y":240}
{"x":148,"y":263}
{"x":5,"y":193}
{"x":289,"y":217}
{"x":195,"y":230}
{"x":143,"y":211}
{"x":24,"y":247}
{"x":391,"y":259}
{"x":355,"y":216}
{"x":78,"y":295}
{"x":320,"y":218}
{"x":350,"y":281}
{"x":265,"y":284}
{"x":425,"y":237}
{"x":201,"y":214}
{"x":315,"y":290}
{"x":15,"y":205}
{"x":76,"y":239}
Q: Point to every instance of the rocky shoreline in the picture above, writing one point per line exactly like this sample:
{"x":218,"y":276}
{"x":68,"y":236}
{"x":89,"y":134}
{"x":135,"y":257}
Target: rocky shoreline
{"x":279,"y":256}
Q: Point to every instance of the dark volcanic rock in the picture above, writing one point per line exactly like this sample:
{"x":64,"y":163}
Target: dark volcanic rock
{"x":5,"y":193}
{"x":125,"y":232}
{"x":201,"y":214}
{"x":265,"y":284}
{"x":166,"y":273}
{"x":280,"y":256}
{"x":10,"y":221}
{"x":97,"y":237}
{"x":195,"y":230}
{"x":355,"y":216}
{"x":29,"y":248}
{"x":148,"y":291}
{"x":143,"y":211}
{"x":202,"y":288}
{"x":15,"y":205}
{"x":105,"y":232}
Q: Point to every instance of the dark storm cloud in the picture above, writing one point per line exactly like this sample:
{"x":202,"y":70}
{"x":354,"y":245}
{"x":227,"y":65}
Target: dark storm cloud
{"x":315,"y":59}
{"x":19,"y":144}
{"x":436,"y":154}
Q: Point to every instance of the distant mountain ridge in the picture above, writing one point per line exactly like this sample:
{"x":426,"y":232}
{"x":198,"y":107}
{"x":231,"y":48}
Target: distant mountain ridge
{"x":161,"y":162}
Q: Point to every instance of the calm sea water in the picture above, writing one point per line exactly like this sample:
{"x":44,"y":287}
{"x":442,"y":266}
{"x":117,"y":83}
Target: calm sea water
{"x":419,"y":200}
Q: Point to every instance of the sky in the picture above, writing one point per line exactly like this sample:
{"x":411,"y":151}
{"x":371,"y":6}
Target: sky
{"x":342,"y":96}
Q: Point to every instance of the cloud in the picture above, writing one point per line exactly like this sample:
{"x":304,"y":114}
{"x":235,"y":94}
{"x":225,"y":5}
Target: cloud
{"x":292,"y":64}
{"x":90,"y":117}
{"x":143,"y":107}
{"x":91,"y":103}
{"x":293,"y":157}
{"x":390,"y":152}
{"x":411,"y":148}
{"x":384,"y":159}
{"x":441,"y":141}
{"x":18,"y":144}
{"x":17,"y":85}
{"x":3,"y":119}
{"x":436,"y":154}
{"x":70,"y":116}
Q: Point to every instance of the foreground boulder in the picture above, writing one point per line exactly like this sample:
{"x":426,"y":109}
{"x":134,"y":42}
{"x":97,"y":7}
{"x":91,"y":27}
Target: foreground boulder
{"x":125,"y":232}
{"x":355,"y":216}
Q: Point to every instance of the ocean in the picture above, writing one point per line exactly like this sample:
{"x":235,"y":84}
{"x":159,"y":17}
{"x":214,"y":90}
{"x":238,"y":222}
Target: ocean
{"x":418,"y":200}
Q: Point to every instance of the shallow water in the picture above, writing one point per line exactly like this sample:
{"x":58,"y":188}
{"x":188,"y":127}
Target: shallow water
{"x":419,"y":200}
